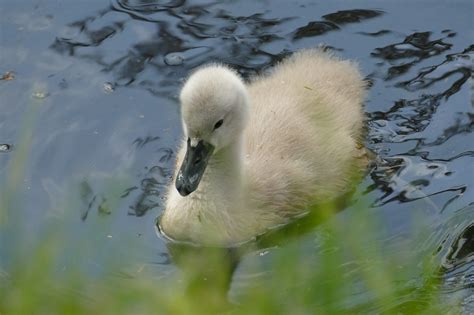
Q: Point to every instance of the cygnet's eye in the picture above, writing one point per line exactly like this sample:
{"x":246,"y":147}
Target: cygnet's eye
{"x":218,"y":124}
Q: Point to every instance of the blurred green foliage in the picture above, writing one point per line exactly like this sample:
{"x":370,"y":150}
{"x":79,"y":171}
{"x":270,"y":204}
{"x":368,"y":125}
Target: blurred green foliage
{"x":299,"y":280}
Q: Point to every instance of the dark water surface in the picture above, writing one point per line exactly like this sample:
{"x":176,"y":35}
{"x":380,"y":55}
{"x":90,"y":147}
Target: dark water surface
{"x":89,"y":120}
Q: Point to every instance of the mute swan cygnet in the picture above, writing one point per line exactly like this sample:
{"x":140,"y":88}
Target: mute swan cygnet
{"x":257,"y":154}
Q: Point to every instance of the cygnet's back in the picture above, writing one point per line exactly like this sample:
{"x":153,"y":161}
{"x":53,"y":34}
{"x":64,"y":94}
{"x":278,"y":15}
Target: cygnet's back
{"x":303,"y":137}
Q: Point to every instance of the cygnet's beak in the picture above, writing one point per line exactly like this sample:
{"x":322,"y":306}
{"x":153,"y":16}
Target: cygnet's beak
{"x":193,"y":167}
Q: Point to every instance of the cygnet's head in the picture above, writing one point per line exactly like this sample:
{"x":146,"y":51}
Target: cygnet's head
{"x":214,"y":109}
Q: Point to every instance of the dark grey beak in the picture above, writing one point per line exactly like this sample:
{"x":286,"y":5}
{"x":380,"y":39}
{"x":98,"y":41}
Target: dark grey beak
{"x":193,"y":167}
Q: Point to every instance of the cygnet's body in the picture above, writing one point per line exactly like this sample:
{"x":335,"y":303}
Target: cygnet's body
{"x":261,"y":153}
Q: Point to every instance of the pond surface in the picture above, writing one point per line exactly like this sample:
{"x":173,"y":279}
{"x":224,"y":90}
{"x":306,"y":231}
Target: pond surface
{"x":89,"y":120}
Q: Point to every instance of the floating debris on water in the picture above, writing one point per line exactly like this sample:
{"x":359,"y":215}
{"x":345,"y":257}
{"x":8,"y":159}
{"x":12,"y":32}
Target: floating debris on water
{"x":108,"y":87}
{"x":40,"y":95}
{"x":174,"y":59}
{"x":5,"y":147}
{"x":8,"y":76}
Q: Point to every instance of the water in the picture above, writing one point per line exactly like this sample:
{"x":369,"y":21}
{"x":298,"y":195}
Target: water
{"x":89,"y":120}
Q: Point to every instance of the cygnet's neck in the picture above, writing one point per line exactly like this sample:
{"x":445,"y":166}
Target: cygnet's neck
{"x":225,"y":169}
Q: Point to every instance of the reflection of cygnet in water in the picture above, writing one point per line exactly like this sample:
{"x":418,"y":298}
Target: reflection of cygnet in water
{"x":256,"y":155}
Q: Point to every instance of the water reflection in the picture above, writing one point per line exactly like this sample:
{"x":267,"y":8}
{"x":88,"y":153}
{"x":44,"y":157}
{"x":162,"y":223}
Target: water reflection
{"x":462,"y":66}
{"x":153,"y":185}
{"x":316,"y":28}
{"x":91,"y":201}
{"x":462,"y":249}
{"x":416,"y":46}
{"x":352,"y":16}
{"x":149,"y":6}
{"x":217,"y":31}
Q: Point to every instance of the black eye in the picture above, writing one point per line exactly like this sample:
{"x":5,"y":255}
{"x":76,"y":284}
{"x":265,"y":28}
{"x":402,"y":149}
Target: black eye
{"x":218,"y":124}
